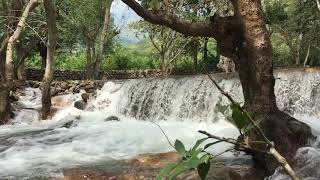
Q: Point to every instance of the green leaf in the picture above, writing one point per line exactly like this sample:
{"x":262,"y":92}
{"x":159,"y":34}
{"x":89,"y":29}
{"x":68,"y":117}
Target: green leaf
{"x":193,"y":162}
{"x":205,"y":158}
{"x":221,"y":108}
{"x":198,"y":143}
{"x":178,"y":145}
{"x":239,"y":118}
{"x":166,"y":171}
{"x":203,"y":170}
{"x":178,"y":170}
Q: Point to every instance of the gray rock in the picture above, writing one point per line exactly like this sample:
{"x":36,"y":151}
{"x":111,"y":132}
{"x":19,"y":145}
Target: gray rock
{"x":85,"y":97}
{"x":68,"y":124}
{"x":80,"y":105}
{"x":113,"y":118}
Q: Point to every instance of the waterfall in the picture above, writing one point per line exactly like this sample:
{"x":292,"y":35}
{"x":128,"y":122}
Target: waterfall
{"x":180,"y":105}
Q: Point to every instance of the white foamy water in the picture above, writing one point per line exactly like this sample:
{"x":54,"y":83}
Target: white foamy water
{"x":181,"y":106}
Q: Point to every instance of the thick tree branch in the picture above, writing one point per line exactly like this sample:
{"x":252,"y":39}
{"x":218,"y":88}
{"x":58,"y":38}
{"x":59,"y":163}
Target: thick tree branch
{"x":176,"y":23}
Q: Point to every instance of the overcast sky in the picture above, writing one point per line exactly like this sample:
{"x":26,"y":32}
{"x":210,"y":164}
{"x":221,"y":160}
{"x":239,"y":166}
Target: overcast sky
{"x":123,"y":16}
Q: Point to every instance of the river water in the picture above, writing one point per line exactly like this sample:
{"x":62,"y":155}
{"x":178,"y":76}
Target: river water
{"x":180,"y":105}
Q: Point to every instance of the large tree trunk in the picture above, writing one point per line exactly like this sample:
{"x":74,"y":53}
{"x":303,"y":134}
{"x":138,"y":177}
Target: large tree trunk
{"x":255,"y":67}
{"x":7,"y":84}
{"x":51,"y":18}
{"x":103,"y":38}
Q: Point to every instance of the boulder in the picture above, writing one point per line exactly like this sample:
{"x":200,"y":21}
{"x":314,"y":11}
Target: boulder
{"x":85,"y":97}
{"x":113,"y":118}
{"x":80,"y":105}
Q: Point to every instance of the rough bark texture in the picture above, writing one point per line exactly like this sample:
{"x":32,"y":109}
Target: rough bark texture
{"x":51,"y":18}
{"x":256,"y":75}
{"x":244,"y":39}
{"x":103,"y":37}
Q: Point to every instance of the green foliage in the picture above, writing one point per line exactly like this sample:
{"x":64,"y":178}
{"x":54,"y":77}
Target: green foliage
{"x":74,"y":61}
{"x":194,"y":158}
{"x":240,"y":119}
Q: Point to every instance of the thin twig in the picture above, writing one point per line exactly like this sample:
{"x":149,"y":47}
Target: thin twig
{"x":164,"y":134}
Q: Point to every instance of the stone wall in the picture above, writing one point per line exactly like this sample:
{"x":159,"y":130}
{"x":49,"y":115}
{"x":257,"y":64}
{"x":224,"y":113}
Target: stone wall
{"x":37,"y":74}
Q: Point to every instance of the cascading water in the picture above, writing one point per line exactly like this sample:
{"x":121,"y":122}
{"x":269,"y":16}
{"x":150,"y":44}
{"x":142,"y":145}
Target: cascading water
{"x":181,"y":105}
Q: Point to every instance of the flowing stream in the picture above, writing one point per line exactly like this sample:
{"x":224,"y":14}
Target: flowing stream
{"x":180,"y":105}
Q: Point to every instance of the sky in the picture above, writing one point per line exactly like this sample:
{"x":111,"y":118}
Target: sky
{"x":123,"y":16}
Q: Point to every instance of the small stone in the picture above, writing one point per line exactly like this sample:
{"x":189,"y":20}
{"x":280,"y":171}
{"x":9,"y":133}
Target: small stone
{"x":113,"y":118}
{"x":91,"y":91}
{"x":80,"y":105}
{"x":68,"y":124}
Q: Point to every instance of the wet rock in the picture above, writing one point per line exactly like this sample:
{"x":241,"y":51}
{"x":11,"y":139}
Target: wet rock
{"x":13,"y":97}
{"x":91,"y":91}
{"x":80,"y":105}
{"x":34,"y":84}
{"x":76,"y":89}
{"x":61,"y":101}
{"x":113,"y":118}
{"x":68,"y":124}
{"x":64,"y":85}
{"x":85,"y":97}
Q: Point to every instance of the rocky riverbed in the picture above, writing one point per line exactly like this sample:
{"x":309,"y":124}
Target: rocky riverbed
{"x":147,"y":166}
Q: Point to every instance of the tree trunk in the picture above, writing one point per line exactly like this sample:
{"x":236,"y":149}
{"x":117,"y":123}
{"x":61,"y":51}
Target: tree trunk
{"x":103,"y":38}
{"x":307,"y":57}
{"x":51,"y":18}
{"x":42,"y":48}
{"x":205,"y":53}
{"x":7,"y":84}
{"x":195,"y":58}
{"x":90,"y":59}
{"x":255,"y":67}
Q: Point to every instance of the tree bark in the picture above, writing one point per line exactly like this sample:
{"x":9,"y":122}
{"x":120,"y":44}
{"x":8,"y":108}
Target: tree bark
{"x":205,"y":53}
{"x":51,"y":18}
{"x":307,"y":57}
{"x":42,"y":49}
{"x":195,"y":57}
{"x":7,"y":84}
{"x":103,"y":38}
{"x":245,"y":39}
{"x":255,"y":67}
